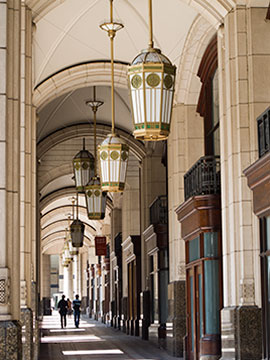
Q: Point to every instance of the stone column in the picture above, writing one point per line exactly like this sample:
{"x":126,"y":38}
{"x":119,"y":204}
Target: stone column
{"x":61,"y":276}
{"x":116,"y":228}
{"x":75,"y":274}
{"x":243,"y":51}
{"x":185,"y":147}
{"x":70,"y":292}
{"x":27,"y":186}
{"x":83,"y":276}
{"x":130,"y":217}
{"x":65,"y":281}
{"x":46,"y":283}
{"x":10,"y":328}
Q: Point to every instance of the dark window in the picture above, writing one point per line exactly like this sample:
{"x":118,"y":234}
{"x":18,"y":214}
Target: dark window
{"x":208,"y":105}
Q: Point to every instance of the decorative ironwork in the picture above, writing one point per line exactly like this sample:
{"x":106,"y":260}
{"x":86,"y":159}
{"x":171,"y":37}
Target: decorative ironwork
{"x":159,"y":210}
{"x":2,"y":291}
{"x":203,"y":177}
{"x":264,"y":132}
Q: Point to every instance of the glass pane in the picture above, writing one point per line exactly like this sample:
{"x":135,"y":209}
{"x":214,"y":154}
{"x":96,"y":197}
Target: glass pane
{"x":201,"y":304}
{"x":216,"y":142}
{"x":194,"y":249}
{"x":215,"y":100}
{"x":211,"y":273}
{"x":210,"y":244}
{"x":267,"y":221}
{"x":191,"y":313}
{"x":268,"y":278}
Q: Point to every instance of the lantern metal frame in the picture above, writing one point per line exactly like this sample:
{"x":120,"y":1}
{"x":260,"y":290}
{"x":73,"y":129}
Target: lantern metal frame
{"x":95,"y":197}
{"x":83,"y":167}
{"x":113,"y":152}
{"x":77,"y":229}
{"x":151,"y":82}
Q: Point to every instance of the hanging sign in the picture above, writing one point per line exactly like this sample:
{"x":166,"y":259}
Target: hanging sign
{"x":100,"y":244}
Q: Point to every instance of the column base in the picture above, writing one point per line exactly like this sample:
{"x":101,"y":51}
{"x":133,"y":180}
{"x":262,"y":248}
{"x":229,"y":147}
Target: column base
{"x":241,"y":333}
{"x":177,"y":317}
{"x":124,"y":314}
{"x":47,"y":306}
{"x":10,"y":340}
{"x":146,"y":314}
{"x":84,"y":304}
{"x":27,"y":333}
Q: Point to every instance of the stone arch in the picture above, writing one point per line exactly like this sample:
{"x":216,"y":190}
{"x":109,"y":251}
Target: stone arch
{"x":213,"y":10}
{"x":58,"y":194}
{"x":76,"y":77}
{"x":189,"y":85}
{"x":81,"y":130}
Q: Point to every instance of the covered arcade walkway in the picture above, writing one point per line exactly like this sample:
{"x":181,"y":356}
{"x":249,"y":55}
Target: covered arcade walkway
{"x":93,"y":340}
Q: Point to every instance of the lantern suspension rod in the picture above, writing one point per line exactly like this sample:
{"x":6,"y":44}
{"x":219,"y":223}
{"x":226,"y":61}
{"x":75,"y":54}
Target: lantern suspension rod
{"x":112,"y":35}
{"x":111,"y":28}
{"x":95,"y":104}
{"x":95,"y":131}
{"x":151,"y":42}
{"x":77,"y":206}
{"x":83,"y":143}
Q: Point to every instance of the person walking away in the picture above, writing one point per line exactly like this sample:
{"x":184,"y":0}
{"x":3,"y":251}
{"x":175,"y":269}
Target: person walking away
{"x":69,"y":308}
{"x":62,"y":306}
{"x":77,"y":310}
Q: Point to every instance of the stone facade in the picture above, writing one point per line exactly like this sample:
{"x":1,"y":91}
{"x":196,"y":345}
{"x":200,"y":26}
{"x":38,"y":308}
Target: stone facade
{"x":27,"y":333}
{"x":10,"y":340}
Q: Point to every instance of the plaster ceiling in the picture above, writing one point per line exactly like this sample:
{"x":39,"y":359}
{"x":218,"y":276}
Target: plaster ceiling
{"x":69,"y":34}
{"x":70,"y":109}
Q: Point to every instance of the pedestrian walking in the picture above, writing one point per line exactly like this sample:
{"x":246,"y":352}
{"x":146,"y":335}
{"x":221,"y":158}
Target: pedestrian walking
{"x":77,"y":310}
{"x":69,"y":308}
{"x":62,"y":306}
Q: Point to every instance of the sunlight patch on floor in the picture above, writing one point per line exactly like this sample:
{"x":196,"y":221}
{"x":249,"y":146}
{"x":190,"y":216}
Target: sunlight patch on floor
{"x":61,"y":330}
{"x":92,"y":352}
{"x":70,"y":338}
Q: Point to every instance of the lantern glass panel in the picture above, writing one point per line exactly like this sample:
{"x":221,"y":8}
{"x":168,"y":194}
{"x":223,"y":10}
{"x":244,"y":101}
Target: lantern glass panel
{"x":95,"y":199}
{"x":113,"y":155}
{"x":151,"y":83}
{"x":83,"y":165}
{"x":77,"y":233}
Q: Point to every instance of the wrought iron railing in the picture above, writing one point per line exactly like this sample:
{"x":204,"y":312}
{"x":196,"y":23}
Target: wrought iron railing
{"x":159,"y":210}
{"x":263,"y":132}
{"x":203,"y":177}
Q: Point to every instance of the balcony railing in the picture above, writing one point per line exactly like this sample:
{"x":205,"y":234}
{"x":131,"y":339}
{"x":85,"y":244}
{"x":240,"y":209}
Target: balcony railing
{"x":263,"y":132}
{"x":203,"y":177}
{"x":159,"y":210}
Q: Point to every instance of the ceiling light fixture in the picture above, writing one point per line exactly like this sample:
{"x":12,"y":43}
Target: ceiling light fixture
{"x":95,"y":197}
{"x":113,"y":152}
{"x":151,"y":78}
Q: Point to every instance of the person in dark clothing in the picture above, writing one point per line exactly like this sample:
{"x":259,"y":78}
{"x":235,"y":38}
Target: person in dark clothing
{"x":62,"y":306}
{"x":77,"y":310}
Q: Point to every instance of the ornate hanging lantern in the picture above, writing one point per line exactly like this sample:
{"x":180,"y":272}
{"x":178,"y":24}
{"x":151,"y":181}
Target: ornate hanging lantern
{"x":94,"y":195}
{"x":72,"y":250}
{"x":113,"y":152}
{"x":151,"y":78}
{"x":67,"y":255}
{"x":83,"y":165}
{"x":77,"y":231}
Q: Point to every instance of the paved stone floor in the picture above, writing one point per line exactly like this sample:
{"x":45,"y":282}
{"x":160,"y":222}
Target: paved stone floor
{"x":92,"y":340}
